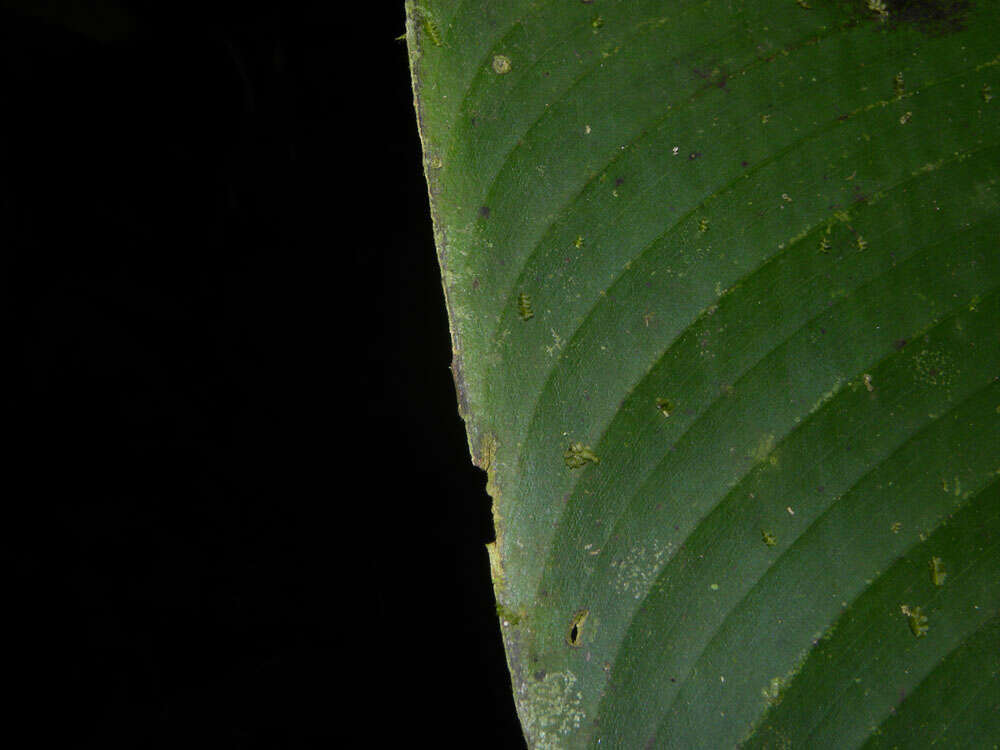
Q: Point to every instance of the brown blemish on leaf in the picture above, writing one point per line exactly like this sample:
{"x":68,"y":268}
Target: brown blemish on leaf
{"x":717,"y":77}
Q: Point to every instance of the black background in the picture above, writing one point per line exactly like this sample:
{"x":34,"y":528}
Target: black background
{"x":238,"y":507}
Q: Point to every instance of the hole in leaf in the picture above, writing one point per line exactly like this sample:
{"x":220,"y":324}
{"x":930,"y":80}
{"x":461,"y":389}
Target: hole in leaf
{"x":574,"y":636}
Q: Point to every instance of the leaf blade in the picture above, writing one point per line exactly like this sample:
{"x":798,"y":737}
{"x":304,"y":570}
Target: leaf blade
{"x":782,"y":222}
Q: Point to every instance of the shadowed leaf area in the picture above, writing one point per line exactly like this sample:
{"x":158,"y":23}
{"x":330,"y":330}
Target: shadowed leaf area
{"x":724,"y":294}
{"x":931,"y":16}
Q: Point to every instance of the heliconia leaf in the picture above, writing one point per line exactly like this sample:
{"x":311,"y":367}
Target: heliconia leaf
{"x":723,"y":280}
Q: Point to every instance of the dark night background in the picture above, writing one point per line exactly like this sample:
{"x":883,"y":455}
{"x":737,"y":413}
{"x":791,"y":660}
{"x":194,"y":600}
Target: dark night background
{"x":239,"y":509}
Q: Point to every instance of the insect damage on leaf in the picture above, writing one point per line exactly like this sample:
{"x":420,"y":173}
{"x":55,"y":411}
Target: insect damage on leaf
{"x":578,"y":455}
{"x":574,"y":634}
{"x":768,"y":537}
{"x":665,"y":406}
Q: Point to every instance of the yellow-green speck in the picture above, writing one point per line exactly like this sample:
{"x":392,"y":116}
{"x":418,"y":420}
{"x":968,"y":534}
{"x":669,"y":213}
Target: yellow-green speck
{"x":938,"y":573}
{"x":501,"y":64}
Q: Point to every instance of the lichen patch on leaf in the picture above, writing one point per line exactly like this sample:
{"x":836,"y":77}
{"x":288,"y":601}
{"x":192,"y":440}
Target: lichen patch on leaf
{"x":524,"y":306}
{"x":637,"y":570}
{"x":501,"y":64}
{"x":933,"y":367}
{"x":550,"y":708}
{"x":917,"y":620}
{"x":763,"y":451}
{"x":772,"y":693}
{"x":578,"y":455}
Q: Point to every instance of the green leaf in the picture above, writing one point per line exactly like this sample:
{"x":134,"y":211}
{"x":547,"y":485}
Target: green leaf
{"x":724,"y":289}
